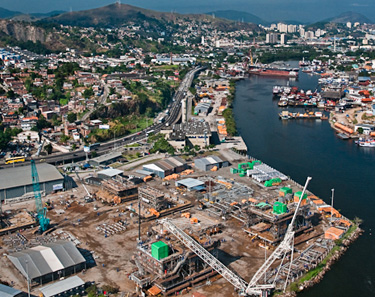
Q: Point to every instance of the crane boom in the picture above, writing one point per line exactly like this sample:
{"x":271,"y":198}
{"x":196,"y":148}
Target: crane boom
{"x":206,"y":256}
{"x":41,"y":211}
{"x":285,"y":246}
{"x":253,"y":288}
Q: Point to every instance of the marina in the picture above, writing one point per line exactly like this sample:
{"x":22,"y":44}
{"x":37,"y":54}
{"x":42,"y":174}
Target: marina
{"x":295,"y":141}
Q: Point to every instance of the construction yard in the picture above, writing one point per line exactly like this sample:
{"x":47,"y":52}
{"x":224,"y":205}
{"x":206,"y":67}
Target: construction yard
{"x":233,"y":214}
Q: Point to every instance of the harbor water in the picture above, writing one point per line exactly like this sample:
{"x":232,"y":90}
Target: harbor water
{"x":301,"y":148}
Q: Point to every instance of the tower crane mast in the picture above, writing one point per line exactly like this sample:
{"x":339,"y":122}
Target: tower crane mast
{"x":41,"y":211}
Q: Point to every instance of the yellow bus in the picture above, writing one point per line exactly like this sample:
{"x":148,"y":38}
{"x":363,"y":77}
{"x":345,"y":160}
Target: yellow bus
{"x":14,"y":160}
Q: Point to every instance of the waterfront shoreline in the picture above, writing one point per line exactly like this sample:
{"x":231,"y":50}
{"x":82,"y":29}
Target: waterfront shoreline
{"x":333,"y":255}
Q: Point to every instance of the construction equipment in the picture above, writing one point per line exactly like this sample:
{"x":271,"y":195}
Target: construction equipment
{"x":286,"y":246}
{"x":41,"y":211}
{"x":206,"y":256}
{"x":254,"y":288}
{"x":154,"y":212}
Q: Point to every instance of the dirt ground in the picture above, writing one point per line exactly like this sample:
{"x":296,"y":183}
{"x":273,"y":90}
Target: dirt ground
{"x":113,"y":254}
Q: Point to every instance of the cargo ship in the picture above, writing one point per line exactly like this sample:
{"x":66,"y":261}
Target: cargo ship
{"x":285,"y":115}
{"x":281,"y":72}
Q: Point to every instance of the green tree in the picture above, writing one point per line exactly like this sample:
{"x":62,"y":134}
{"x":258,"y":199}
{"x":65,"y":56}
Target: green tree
{"x":71,"y":117}
{"x":88,"y":93}
{"x":11,"y":94}
{"x":48,"y":148}
{"x":41,"y":124}
{"x":64,"y":138}
{"x":147,"y":59}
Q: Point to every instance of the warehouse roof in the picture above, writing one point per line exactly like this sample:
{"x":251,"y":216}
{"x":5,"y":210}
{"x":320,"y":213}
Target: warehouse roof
{"x":190,"y":183}
{"x":110,"y":172}
{"x":43,"y":260}
{"x":193,"y":128}
{"x":20,"y":176}
{"x":6,"y":291}
{"x":209,"y":160}
{"x":62,"y":286}
{"x":166,"y":164}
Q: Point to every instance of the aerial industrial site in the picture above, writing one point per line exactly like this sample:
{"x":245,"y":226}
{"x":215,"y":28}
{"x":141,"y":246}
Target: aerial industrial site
{"x":165,"y":227}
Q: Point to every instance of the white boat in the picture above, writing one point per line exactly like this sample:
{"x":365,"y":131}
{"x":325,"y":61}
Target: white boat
{"x":367,"y":143}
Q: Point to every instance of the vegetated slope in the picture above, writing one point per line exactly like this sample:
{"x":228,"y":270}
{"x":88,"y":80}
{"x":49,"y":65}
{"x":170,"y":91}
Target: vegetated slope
{"x":5,"y":13}
{"x":116,"y":15}
{"x":32,"y":17}
{"x":350,"y":16}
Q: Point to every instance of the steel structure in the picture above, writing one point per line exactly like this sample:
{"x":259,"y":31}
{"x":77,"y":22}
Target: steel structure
{"x":206,"y":256}
{"x":286,"y":246}
{"x":41,"y":211}
{"x":254,"y":287}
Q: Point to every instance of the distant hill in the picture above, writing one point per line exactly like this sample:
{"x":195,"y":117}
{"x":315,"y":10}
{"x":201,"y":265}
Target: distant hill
{"x":349,"y":16}
{"x":239,"y":16}
{"x":48,"y":14}
{"x":36,"y":16}
{"x":5,"y":13}
{"x":116,"y":15}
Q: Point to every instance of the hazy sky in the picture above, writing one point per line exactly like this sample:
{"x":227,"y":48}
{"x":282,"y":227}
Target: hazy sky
{"x":302,"y":10}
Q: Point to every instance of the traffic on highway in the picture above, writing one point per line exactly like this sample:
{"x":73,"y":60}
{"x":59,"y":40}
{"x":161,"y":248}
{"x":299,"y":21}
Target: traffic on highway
{"x":171,"y":118}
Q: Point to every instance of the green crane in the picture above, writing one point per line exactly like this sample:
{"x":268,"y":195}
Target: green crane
{"x":41,"y":211}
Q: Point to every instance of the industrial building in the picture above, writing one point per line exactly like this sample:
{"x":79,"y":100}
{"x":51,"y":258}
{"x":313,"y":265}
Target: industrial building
{"x":166,"y":167}
{"x":109,"y":173}
{"x":65,"y":288}
{"x":6,"y":291}
{"x":211,"y":162}
{"x":202,"y":108}
{"x":151,"y":198}
{"x":106,"y":159}
{"x":16,"y":182}
{"x":49,"y":262}
{"x":168,"y":267}
{"x":195,"y":133}
{"x":121,"y":188}
{"x":191,"y":184}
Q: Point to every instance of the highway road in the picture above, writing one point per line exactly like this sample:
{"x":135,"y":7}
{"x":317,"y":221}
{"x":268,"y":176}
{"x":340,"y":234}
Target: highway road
{"x":173,"y":117}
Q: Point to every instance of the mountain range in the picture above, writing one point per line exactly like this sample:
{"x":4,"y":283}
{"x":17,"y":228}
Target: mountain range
{"x":242,"y":16}
{"x":350,"y":16}
{"x":17,"y":15}
{"x":115,"y":15}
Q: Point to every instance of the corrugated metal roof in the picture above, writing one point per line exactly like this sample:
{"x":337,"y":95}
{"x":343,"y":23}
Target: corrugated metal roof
{"x":111,"y":172}
{"x":190,"y":182}
{"x":165,"y":165}
{"x":6,"y":291}
{"x":42,"y":260}
{"x":20,"y":176}
{"x":209,"y":160}
{"x":62,"y":286}
{"x":153,"y":167}
{"x":177,"y":161}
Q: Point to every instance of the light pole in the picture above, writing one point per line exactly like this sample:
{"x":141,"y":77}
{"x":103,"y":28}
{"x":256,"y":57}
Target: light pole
{"x":28,"y":279}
